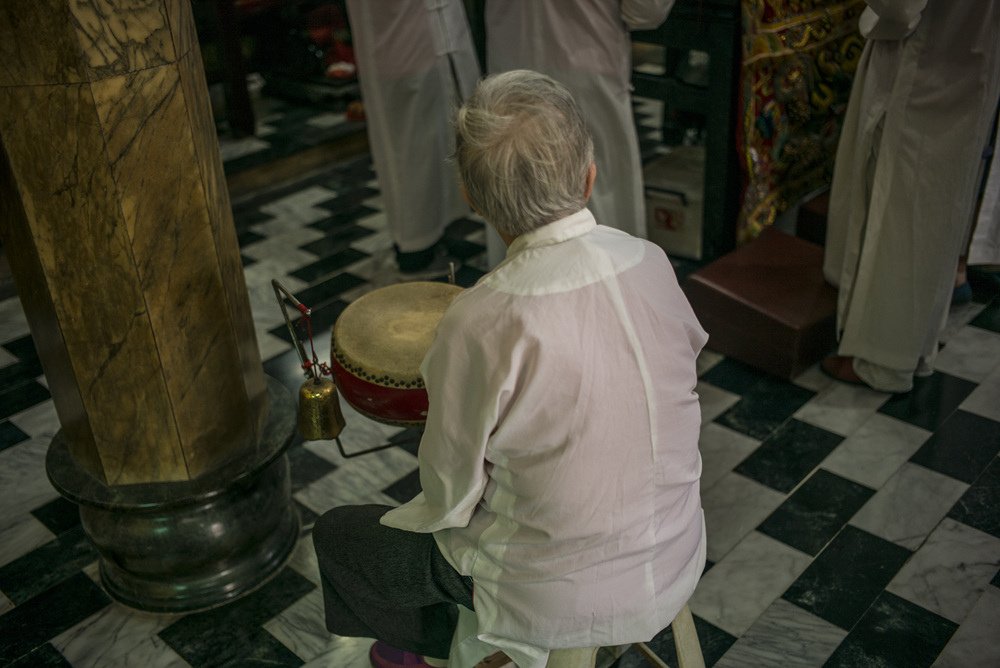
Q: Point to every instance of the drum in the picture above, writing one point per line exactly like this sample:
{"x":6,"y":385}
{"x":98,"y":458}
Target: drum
{"x":380,"y":340}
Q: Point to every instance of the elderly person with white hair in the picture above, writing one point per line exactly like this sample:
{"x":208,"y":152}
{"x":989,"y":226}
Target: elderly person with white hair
{"x":559,"y":464}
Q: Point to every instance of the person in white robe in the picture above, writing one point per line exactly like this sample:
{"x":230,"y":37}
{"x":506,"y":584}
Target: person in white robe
{"x":904,"y":182}
{"x":984,"y":250}
{"x":585,"y":45}
{"x":559,"y":465}
{"x":416,"y":63}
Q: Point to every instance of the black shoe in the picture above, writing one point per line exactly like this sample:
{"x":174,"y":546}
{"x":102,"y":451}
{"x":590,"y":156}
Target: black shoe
{"x":413,"y":261}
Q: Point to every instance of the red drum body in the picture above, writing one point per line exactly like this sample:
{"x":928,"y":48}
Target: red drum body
{"x":379,"y":342}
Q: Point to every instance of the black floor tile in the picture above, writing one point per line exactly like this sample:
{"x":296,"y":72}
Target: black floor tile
{"x":337,"y":239}
{"x":58,"y":516}
{"x":246,"y":261}
{"x":841,"y":583}
{"x":713,"y":640}
{"x":343,"y":224}
{"x":996,"y":579}
{"x":329,"y":290}
{"x":329,"y":265}
{"x":286,"y":369}
{"x":462,"y":227}
{"x":893,"y":632}
{"x":246,"y":215}
{"x":979,"y":507}
{"x":932,"y":400}
{"x":306,"y":517}
{"x":788,"y":455}
{"x":764,"y":405}
{"x":408,"y":439}
{"x":737,"y":377}
{"x":20,"y":372}
{"x":35,"y":622}
{"x":44,"y":567}
{"x":405,"y":488}
{"x":323,"y":319}
{"x":231,"y":635}
{"x":45,"y":656}
{"x":306,"y":467}
{"x":962,"y":447}
{"x":463,"y":250}
{"x":22,"y":348}
{"x":989,"y":318}
{"x":247,"y":237}
{"x":16,"y":399}
{"x":813,"y":515}
{"x":467,"y":276}
{"x":348,"y":200}
{"x":10,"y":435}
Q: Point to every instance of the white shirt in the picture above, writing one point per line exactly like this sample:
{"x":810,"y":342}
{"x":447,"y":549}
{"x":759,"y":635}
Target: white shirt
{"x":560,"y":462}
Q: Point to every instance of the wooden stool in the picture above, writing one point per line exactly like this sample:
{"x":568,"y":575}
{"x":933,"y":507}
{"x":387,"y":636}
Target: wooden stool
{"x":579,"y":657}
{"x":767,"y":304}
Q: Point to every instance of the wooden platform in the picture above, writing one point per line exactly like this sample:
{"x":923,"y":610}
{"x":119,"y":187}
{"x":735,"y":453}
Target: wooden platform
{"x":767,"y":304}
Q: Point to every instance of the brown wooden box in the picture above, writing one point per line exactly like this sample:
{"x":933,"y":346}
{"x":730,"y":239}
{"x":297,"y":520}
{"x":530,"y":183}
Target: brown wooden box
{"x":767,"y":304}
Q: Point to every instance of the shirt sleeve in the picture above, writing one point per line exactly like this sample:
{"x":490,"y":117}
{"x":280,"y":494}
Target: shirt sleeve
{"x":645,"y":14}
{"x":464,"y":376}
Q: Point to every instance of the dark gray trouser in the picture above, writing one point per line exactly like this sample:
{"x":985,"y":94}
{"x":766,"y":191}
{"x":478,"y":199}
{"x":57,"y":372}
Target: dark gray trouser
{"x":384,"y":583}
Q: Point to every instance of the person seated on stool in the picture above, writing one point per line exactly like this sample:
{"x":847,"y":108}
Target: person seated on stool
{"x":559,"y":462}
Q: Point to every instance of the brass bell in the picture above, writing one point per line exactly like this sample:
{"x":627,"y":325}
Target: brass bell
{"x":320,"y":417}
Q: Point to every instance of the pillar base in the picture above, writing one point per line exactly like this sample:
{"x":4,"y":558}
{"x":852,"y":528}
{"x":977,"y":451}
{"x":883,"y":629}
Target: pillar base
{"x":197,"y":544}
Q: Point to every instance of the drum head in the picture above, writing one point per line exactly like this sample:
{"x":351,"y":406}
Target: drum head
{"x":383,"y":336}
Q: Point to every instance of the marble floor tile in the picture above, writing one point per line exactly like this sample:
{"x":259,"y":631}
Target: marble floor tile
{"x":302,"y":628}
{"x":27,"y":576}
{"x":985,"y":399}
{"x":734,"y":506}
{"x":327,"y":120}
{"x":238,"y":148}
{"x":787,"y":636}
{"x":300,"y":205}
{"x":117,"y":637}
{"x":893,"y":632}
{"x":346,"y":653}
{"x":972,"y":353}
{"x":303,"y":559}
{"x":270,"y":345}
{"x":873,"y":453}
{"x":713,"y":641}
{"x":909,"y":505}
{"x":23,"y":482}
{"x":950,"y":571}
{"x":740,"y":587}
{"x":706,"y":360}
{"x":813,"y":379}
{"x":841,"y":408}
{"x":815,"y":512}
{"x":789,"y":455}
{"x":6,"y":358}
{"x":287,"y":257}
{"x":20,"y":534}
{"x":841,"y":583}
{"x":21,"y":397}
{"x":341,"y":488}
{"x":13,"y":322}
{"x":721,"y":450}
{"x":285,"y":232}
{"x":975,"y":641}
{"x":714,"y":401}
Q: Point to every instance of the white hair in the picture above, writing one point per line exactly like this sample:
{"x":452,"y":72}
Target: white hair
{"x":523,"y":151}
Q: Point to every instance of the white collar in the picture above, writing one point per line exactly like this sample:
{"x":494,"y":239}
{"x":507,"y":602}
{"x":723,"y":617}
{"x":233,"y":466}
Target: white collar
{"x":573,"y":225}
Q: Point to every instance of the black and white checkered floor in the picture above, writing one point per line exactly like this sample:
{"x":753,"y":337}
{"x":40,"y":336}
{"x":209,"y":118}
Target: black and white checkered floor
{"x":846,"y":527}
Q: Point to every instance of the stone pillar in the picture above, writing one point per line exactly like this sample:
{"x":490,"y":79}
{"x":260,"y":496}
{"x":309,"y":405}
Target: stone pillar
{"x":116,"y":222}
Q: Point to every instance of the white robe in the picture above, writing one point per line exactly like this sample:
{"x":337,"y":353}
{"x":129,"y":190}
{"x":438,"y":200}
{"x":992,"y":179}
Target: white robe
{"x":585,"y":45}
{"x":403,"y":48}
{"x":905,"y":178}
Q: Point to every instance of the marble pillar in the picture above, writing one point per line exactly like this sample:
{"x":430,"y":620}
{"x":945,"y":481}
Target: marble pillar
{"x":117,"y":225}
